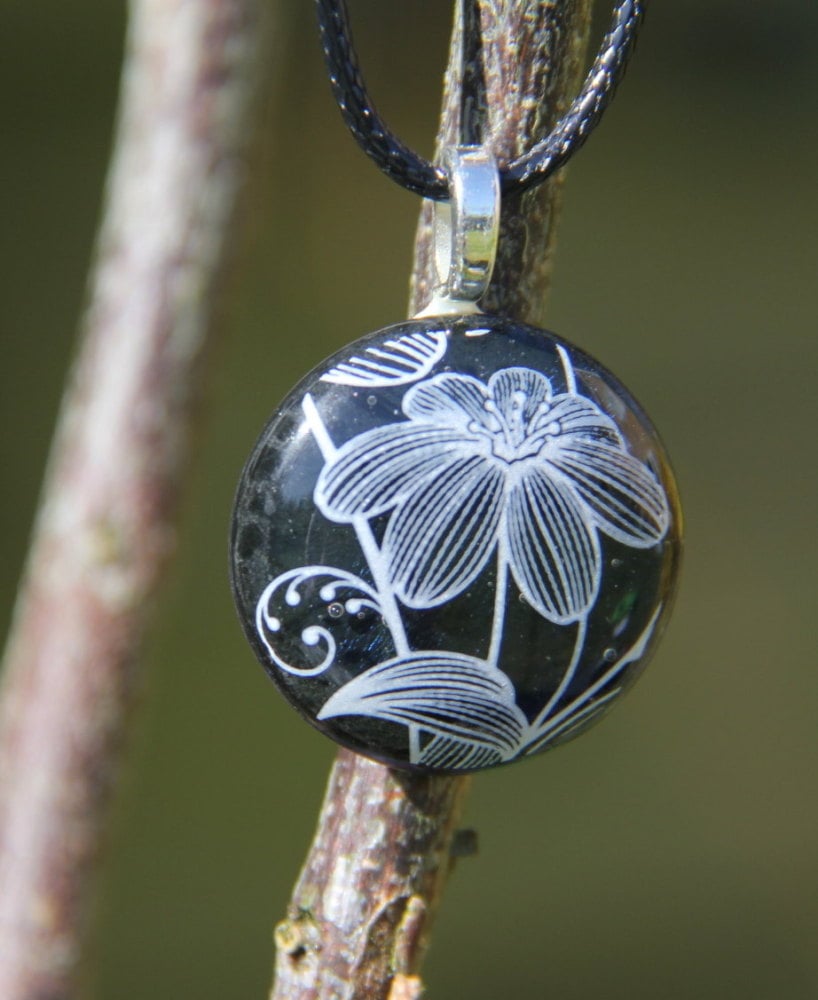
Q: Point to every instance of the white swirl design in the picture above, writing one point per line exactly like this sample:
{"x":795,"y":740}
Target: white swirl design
{"x":269,"y":625}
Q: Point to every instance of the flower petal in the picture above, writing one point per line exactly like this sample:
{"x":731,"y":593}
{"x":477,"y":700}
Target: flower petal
{"x":573,"y":414}
{"x":441,"y":537}
{"x":375,"y":470}
{"x":449,"y":399}
{"x":626,"y":500}
{"x":553,"y":551}
{"x":514,"y":387}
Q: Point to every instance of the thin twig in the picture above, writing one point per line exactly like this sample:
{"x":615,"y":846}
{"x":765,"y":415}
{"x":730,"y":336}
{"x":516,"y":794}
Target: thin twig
{"x":107,"y":523}
{"x":360,"y":915}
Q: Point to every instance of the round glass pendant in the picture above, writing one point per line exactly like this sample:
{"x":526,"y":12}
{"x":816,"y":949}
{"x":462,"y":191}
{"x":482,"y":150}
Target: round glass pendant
{"x":455,"y":543}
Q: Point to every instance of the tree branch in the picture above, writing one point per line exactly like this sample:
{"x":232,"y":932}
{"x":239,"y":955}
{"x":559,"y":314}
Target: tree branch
{"x":360,"y":915}
{"x":107,"y":523}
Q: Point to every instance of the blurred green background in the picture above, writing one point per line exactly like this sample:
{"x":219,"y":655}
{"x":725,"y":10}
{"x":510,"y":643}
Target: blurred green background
{"x":671,"y":852}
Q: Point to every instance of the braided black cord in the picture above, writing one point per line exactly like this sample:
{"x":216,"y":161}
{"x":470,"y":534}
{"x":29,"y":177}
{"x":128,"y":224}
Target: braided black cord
{"x":588,"y":106}
{"x":417,"y":174}
{"x":363,"y":121}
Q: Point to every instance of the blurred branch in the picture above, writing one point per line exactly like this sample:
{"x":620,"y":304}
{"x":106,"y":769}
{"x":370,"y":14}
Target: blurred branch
{"x":360,"y":915}
{"x":106,"y":527}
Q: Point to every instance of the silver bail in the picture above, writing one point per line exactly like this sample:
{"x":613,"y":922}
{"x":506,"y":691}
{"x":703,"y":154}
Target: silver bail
{"x":465,"y":231}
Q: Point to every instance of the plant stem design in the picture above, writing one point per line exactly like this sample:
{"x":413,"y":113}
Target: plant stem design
{"x":372,"y":553}
{"x":539,"y":731}
{"x":568,"y":370}
{"x":498,"y":619}
{"x":567,"y":677}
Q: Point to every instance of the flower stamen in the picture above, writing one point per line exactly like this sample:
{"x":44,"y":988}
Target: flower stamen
{"x":513,"y":436}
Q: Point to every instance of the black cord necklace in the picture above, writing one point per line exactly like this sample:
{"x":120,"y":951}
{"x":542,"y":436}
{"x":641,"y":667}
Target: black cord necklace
{"x":416,"y":174}
{"x":456,"y":541}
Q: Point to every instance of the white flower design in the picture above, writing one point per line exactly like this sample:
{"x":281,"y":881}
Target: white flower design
{"x":506,"y":466}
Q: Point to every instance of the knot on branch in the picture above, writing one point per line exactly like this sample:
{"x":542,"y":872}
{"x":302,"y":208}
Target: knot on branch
{"x":297,"y":936}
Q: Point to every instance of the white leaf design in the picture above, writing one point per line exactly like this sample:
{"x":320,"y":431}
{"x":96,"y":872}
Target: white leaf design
{"x":587,"y":704}
{"x":581,"y":717}
{"x":400,"y":361}
{"x":445,"y":753}
{"x":451,"y":697}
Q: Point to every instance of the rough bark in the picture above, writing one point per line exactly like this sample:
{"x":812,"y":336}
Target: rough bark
{"x":360,"y":916}
{"x":107,"y":523}
{"x":533,"y":53}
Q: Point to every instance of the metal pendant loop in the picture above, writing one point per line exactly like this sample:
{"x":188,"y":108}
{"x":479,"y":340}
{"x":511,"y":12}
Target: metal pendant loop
{"x":466,"y":229}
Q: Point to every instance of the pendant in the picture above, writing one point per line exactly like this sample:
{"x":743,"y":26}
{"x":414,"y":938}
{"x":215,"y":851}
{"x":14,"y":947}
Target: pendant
{"x":455,"y":543}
